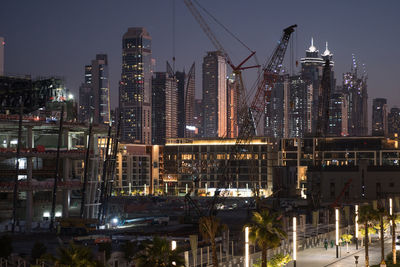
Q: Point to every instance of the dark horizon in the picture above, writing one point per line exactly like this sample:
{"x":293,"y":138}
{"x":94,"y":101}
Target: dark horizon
{"x":47,"y":38}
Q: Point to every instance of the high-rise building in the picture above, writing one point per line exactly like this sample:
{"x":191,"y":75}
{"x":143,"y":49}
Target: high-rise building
{"x":275,"y":114}
{"x":287,"y":111}
{"x":186,"y":94}
{"x":190,"y":90}
{"x":198,"y":117}
{"x":379,"y":116}
{"x":394,"y":121}
{"x":214,"y":95}
{"x":338,"y":108}
{"x":355,"y":88}
{"x":311,"y":73}
{"x":164,"y":106}
{"x":94,"y":93}
{"x":180,"y":82}
{"x":135,"y":86}
{"x":296,"y":106}
{"x":2,"y":44}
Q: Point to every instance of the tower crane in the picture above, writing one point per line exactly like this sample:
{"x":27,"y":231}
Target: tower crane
{"x":236,"y":69}
{"x":249,"y":116}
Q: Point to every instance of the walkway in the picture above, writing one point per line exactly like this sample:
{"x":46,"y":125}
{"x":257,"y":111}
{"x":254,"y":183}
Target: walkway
{"x":319,"y":257}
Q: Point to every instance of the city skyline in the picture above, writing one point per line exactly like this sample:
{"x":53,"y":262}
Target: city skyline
{"x":347,"y":34}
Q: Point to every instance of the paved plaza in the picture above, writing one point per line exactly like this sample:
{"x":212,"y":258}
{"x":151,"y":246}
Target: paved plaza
{"x":319,"y":257}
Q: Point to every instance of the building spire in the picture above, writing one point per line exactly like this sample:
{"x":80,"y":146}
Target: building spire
{"x":327,"y":52}
{"x":312,"y":48}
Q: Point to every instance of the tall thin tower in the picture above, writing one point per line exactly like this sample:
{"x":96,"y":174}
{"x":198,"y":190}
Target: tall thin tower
{"x":135,"y":86}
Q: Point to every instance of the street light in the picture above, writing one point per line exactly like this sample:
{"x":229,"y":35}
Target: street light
{"x":294,"y":241}
{"x":246,"y":240}
{"x":173,"y":247}
{"x":337,"y":231}
{"x":356,"y":223}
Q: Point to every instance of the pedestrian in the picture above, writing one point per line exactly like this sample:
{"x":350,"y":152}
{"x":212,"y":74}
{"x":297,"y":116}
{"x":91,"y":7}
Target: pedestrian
{"x":331,"y":243}
{"x":326,"y":244}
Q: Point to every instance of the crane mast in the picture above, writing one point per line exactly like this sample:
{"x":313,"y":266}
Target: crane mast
{"x":264,"y":85}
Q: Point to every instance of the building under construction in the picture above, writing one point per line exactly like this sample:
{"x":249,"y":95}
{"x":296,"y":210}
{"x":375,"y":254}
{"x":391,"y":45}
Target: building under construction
{"x":37,"y":169}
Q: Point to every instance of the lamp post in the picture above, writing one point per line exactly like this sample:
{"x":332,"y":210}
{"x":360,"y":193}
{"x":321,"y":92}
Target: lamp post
{"x":173,"y":247}
{"x":356,"y":224}
{"x":294,"y":241}
{"x":246,"y":240}
{"x":337,"y":231}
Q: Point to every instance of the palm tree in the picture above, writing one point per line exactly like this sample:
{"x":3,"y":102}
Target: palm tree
{"x":367,"y":216}
{"x":74,"y":255}
{"x":394,"y":219}
{"x":209,"y":227}
{"x":158,"y":253}
{"x":266,"y":229}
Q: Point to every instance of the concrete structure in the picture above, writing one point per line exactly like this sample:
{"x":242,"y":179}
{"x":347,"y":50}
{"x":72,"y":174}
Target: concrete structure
{"x":394,"y":122}
{"x":164,"y":107}
{"x":37,"y":170}
{"x":379,"y":117}
{"x":2,"y":44}
{"x":203,"y":164}
{"x":94,"y":93}
{"x":214,"y":95}
{"x":135,"y":86}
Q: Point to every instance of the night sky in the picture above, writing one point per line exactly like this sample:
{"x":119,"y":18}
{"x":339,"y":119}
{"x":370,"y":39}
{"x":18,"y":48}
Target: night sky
{"x":60,"y":37}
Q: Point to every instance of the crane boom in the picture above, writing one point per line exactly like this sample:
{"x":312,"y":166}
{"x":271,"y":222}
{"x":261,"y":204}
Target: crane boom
{"x":207,"y":30}
{"x":264,"y":85}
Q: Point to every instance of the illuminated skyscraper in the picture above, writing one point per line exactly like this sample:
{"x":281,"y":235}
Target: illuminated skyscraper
{"x":135,"y":86}
{"x":379,"y":117}
{"x":214,"y":95}
{"x":94,"y":93}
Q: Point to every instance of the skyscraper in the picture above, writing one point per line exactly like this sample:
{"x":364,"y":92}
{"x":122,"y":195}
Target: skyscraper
{"x":286,"y":114}
{"x":311,"y":73}
{"x":274,"y":125}
{"x":214,"y":95}
{"x":296,"y":106}
{"x":394,"y":121}
{"x":186,"y":94}
{"x":379,"y":117}
{"x":338,"y":108}
{"x":135,"y":86}
{"x":94,"y":93}
{"x":190,"y":89}
{"x":164,"y":106}
{"x":198,"y":117}
{"x":355,"y":88}
{"x":2,"y":44}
